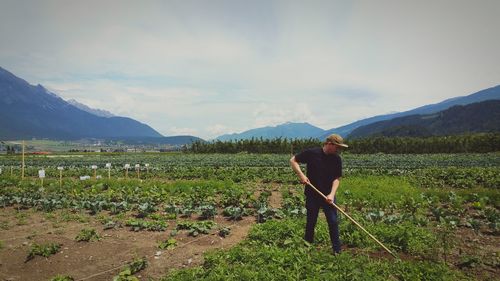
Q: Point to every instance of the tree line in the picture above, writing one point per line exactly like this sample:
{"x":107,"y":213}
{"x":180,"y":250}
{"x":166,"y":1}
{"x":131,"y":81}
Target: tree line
{"x":253,"y":145}
{"x":469,"y":143}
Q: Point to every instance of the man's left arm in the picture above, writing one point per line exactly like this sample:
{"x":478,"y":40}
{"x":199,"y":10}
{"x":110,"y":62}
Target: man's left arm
{"x":335,"y":186}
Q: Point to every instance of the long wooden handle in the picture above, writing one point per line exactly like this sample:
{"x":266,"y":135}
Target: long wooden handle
{"x":355,"y":222}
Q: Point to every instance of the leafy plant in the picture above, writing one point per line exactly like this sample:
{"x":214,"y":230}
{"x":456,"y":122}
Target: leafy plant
{"x":196,"y":228}
{"x":266,"y":213}
{"x":225,"y":231}
{"x":172,"y":209}
{"x":62,"y":278}
{"x":111,"y":224}
{"x":445,"y":235}
{"x":44,"y":250}
{"x":127,"y":273}
{"x":138,"y":225}
{"x":87,"y":234}
{"x":234,"y":213}
{"x":493,"y":217}
{"x":375,"y":216}
{"x":187,"y":211}
{"x":207,"y":212}
{"x":293,"y":205}
{"x":118,"y":207}
{"x":184,"y":225}
{"x":94,"y":206}
{"x":145,"y":209}
{"x":168,"y":244}
{"x":201,"y":228}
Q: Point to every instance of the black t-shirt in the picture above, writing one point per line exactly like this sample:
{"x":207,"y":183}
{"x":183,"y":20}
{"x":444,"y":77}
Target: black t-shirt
{"x":322,"y":169}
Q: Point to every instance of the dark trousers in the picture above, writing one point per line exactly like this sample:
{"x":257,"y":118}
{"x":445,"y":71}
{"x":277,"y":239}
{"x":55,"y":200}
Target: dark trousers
{"x":313,"y":205}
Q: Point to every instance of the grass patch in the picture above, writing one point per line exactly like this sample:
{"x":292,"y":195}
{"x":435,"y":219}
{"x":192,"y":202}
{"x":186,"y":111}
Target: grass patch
{"x":375,"y":191}
{"x":275,"y":251}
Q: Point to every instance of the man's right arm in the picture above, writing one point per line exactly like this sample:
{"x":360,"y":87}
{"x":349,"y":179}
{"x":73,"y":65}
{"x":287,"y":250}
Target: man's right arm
{"x":296,"y":168}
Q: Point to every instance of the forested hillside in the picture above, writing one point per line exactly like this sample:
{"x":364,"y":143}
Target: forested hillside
{"x":482,"y":117}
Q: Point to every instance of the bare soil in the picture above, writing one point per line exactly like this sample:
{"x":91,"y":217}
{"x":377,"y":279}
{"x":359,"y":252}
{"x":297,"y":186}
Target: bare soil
{"x":476,"y":253}
{"x":101,"y":260}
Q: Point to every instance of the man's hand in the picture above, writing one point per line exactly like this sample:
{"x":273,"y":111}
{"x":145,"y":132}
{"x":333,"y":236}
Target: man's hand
{"x":329,"y":198}
{"x":298,"y":171}
{"x":304,"y":180}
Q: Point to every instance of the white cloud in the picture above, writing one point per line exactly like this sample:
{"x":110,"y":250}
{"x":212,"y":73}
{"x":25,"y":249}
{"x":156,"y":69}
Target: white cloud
{"x":183,"y":131}
{"x":207,"y":67}
{"x":271,"y":115}
{"x":217,"y":130}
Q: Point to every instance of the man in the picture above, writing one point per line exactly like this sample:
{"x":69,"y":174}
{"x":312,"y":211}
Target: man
{"x":324,"y":170}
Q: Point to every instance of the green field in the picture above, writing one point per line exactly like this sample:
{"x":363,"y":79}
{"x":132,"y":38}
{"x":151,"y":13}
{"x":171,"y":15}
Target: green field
{"x":439,"y":213}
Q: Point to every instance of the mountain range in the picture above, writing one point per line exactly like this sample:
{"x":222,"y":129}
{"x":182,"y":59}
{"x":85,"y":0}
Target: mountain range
{"x":287,"y":130}
{"x":29,"y":111}
{"x":492,"y":93}
{"x":478,"y":117}
{"x":94,"y":111}
{"x":34,"y":112}
{"x":291,"y":130}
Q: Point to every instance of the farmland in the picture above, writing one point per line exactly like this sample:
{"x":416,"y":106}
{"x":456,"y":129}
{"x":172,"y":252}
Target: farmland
{"x":241,"y":217}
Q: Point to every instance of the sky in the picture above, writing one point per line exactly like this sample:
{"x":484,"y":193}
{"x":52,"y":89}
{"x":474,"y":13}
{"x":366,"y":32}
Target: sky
{"x":208,"y":68}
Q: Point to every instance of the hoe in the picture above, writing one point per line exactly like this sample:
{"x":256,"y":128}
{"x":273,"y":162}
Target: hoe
{"x":355,"y":222}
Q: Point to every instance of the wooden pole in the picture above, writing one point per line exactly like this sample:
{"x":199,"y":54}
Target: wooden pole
{"x":126,"y":170}
{"x":108,"y":165}
{"x":147,"y":170}
{"x":41,"y":175}
{"x":60,"y":168}
{"x":94,"y":167}
{"x":355,"y":222}
{"x":11,"y":172}
{"x":22,"y":169}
